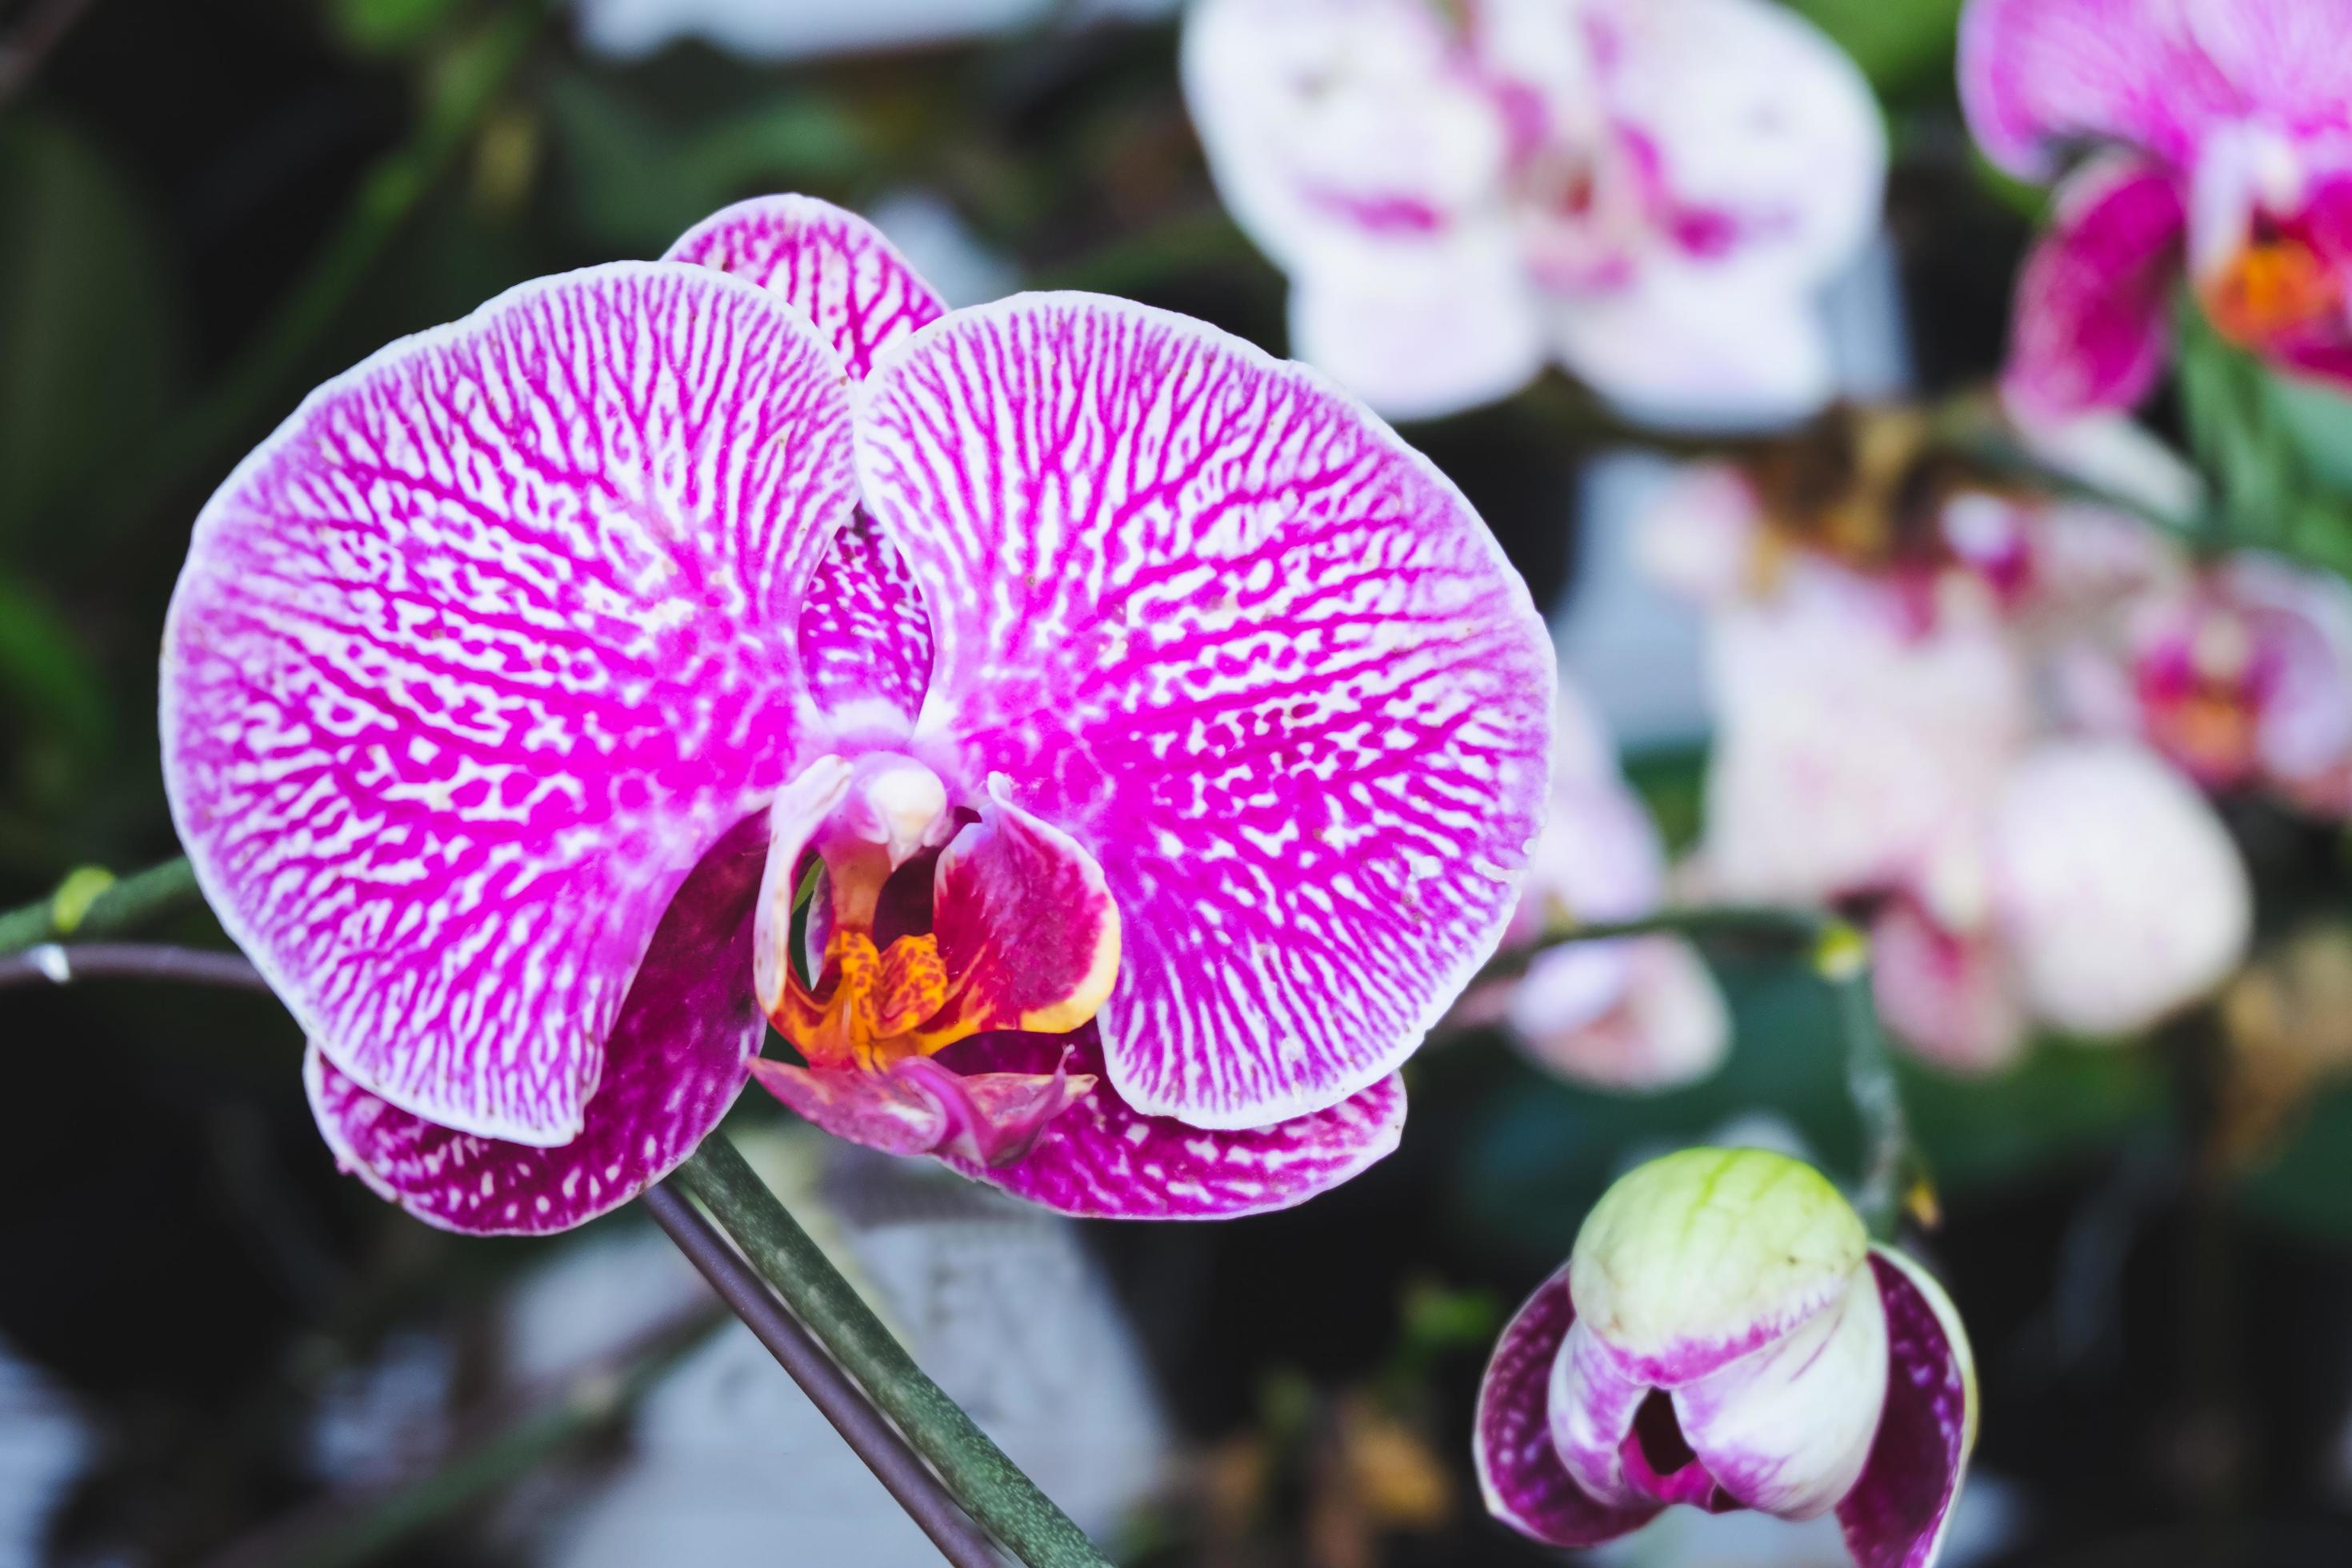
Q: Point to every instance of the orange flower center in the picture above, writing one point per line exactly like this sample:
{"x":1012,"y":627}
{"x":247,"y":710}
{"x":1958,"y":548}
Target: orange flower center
{"x":2271,"y":288}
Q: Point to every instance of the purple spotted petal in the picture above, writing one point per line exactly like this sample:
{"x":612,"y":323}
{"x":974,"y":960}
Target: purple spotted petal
{"x":674,"y":1064}
{"x":831,"y":265}
{"x":1218,"y":624}
{"x":1896,"y":1514}
{"x":864,"y":637}
{"x":1100,"y":1158}
{"x":2090,"y":327}
{"x":475,"y":658}
{"x":1519,"y":1470}
{"x":2037,"y":74}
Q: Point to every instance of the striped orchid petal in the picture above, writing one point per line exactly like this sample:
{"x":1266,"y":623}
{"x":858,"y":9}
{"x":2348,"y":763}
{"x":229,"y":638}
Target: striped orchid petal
{"x":1253,"y":654}
{"x":675,"y":1062}
{"x":475,"y":658}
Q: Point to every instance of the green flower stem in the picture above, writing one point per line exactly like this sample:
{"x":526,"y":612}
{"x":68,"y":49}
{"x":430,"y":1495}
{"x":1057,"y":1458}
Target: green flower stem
{"x":90,"y":903}
{"x":1894,"y":1173}
{"x":989,"y":1485}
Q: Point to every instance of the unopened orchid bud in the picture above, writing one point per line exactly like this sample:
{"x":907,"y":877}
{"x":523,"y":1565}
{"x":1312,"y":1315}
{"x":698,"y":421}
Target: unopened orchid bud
{"x":1726,"y":1335}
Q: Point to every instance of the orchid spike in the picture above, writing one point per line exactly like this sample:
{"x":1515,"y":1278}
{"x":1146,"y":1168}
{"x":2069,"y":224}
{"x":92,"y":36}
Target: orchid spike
{"x":1649,"y":192}
{"x":1161,"y":739}
{"x":2220,"y":137}
{"x":1726,"y":1336}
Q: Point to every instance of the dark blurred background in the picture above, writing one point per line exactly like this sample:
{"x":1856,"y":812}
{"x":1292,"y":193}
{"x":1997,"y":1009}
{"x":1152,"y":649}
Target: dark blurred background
{"x":214,"y":1348}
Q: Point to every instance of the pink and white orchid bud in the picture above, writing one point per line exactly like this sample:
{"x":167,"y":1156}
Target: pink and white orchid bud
{"x":1726,"y":1335}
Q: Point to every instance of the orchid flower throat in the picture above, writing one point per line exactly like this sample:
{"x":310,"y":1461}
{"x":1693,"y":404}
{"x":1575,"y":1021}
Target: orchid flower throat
{"x":929,"y":922}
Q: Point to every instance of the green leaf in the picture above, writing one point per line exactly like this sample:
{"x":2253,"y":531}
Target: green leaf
{"x":1901,"y":45}
{"x":390,"y":26}
{"x":2064,"y":1100}
{"x":90,"y":336}
{"x":2309,"y":1187}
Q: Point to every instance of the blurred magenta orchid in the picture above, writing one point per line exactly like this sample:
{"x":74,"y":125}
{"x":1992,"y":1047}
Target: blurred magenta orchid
{"x":1161,"y":738}
{"x":2096,"y":894}
{"x":1634,"y":1013}
{"x":2220,"y":147}
{"x":1724,"y":1335}
{"x":1651,"y":192}
{"x":2240,"y":674}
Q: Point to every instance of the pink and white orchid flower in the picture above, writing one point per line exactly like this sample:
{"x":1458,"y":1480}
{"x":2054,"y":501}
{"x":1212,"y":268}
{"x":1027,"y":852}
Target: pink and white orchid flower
{"x":2241,"y":675}
{"x":2098,"y":894}
{"x":1649,"y":192}
{"x":1163,"y":739}
{"x":1724,"y":1335}
{"x":2220,"y":138}
{"x":1634,"y":1013}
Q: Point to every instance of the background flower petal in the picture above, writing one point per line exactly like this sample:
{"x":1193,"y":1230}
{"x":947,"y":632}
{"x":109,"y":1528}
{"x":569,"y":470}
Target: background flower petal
{"x":1102,"y":1160}
{"x":1519,"y":1471}
{"x":828,"y":263}
{"x":674,"y":1064}
{"x":1422,"y":331}
{"x":475,"y":658}
{"x":1895,"y":1515}
{"x":1253,"y":653}
{"x":2037,"y":75}
{"x":2090,"y":329}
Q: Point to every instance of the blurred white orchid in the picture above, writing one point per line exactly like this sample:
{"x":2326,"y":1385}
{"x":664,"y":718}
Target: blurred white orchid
{"x":1651,"y":193}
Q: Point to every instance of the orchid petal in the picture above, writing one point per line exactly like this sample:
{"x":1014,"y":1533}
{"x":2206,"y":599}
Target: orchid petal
{"x":1520,"y":1469}
{"x":1025,"y":926}
{"x":2303,"y":622}
{"x":1766,"y":139}
{"x":1702,"y":1256}
{"x":1679,"y":346}
{"x":674,"y":1064}
{"x":865,"y":637}
{"x":475,"y":658}
{"x":1666,"y":1024}
{"x":1254,"y":655}
{"x":2037,"y":76}
{"x":2118,"y":889}
{"x":1423,"y":331}
{"x":1595,"y":1401}
{"x":1101,"y":1160}
{"x":1948,"y":994}
{"x":1787,"y":1430}
{"x":979,"y":1120}
{"x":2090,"y":327}
{"x":1340,"y":129}
{"x":830,"y":264}
{"x":1896,"y":1514}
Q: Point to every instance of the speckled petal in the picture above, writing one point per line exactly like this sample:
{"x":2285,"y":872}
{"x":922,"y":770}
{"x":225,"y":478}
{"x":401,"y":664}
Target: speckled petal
{"x":1896,"y":1514}
{"x":475,"y":658}
{"x":975,"y":1122}
{"x":829,"y":263}
{"x":1950,"y":996}
{"x":2090,"y":329}
{"x":864,"y":637}
{"x":2037,"y":76}
{"x":674,"y":1064}
{"x":1214,"y":621}
{"x":1519,"y":1471}
{"x":1101,"y":1160}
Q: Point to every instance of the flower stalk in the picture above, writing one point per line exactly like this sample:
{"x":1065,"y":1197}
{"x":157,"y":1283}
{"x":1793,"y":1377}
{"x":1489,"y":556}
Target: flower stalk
{"x":1894,"y":1173}
{"x":987,"y":1484}
{"x":90,"y":903}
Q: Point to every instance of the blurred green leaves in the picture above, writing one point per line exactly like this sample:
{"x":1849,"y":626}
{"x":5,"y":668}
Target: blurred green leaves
{"x":1903,"y":45}
{"x":2278,"y":451}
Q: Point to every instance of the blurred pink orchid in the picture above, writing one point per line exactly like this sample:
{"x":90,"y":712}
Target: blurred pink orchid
{"x":2220,"y":137}
{"x":1636,"y":1013}
{"x":1159,"y":740}
{"x":1881,"y":742}
{"x":1649,"y":192}
{"x":2240,"y":674}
